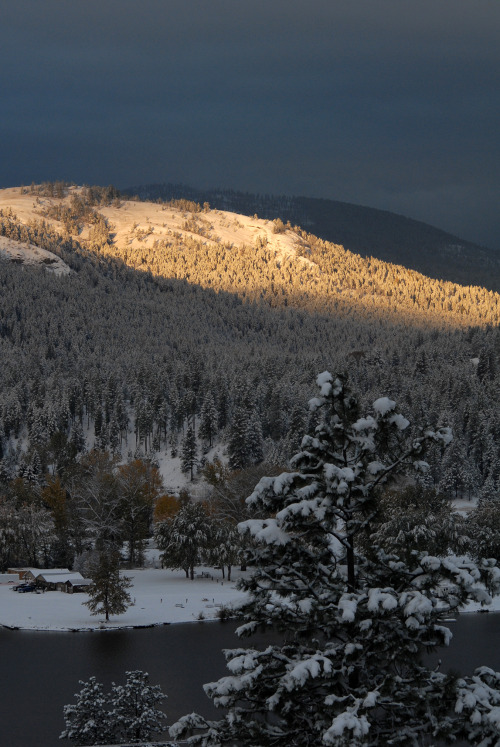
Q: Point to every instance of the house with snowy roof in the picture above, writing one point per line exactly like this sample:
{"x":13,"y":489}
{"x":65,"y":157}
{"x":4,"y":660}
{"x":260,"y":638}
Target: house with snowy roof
{"x":74,"y":585}
{"x":29,"y":574}
{"x":57,"y":580}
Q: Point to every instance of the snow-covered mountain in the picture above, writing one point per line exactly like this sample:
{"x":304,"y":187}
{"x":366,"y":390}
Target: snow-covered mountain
{"x":174,"y":311}
{"x":259,"y":260}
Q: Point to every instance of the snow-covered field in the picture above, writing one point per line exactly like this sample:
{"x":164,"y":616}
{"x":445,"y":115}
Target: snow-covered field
{"x":160,"y":596}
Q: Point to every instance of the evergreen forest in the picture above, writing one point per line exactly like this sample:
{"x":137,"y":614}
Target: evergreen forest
{"x":179,"y":326}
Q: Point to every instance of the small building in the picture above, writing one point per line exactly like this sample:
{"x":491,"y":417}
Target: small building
{"x":49,"y":579}
{"x":52,"y":579}
{"x":31,"y":574}
{"x":9,"y":578}
{"x":17,"y":571}
{"x":75,"y":586}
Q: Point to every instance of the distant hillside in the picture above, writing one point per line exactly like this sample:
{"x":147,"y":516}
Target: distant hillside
{"x":364,"y":230}
{"x":259,"y":260}
{"x":169,"y":314}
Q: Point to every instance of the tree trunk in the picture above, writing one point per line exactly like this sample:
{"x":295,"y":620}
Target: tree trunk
{"x":351,"y":574}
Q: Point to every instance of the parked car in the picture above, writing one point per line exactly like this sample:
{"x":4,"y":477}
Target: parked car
{"x":28,"y":587}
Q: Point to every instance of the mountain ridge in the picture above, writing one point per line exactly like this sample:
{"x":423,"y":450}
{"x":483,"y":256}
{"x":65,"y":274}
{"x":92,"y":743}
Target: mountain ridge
{"x":364,"y":230}
{"x":259,"y":260}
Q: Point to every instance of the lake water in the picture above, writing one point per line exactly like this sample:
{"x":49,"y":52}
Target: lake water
{"x":40,"y":671}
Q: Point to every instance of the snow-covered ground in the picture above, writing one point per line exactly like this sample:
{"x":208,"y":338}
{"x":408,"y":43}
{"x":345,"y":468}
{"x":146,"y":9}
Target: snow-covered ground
{"x":28,"y":254}
{"x":160,"y":596}
{"x":170,"y":469}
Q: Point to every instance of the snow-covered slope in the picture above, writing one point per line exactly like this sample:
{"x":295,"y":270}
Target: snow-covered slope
{"x":137,"y":225}
{"x":261,"y":261}
{"x":28,"y":254}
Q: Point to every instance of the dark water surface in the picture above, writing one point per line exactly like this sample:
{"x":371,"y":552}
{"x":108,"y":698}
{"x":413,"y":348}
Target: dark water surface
{"x":40,"y":671}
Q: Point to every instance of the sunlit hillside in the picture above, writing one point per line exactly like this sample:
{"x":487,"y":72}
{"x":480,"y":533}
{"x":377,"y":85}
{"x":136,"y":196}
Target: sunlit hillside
{"x":363,"y":230}
{"x":259,"y":260}
{"x":123,"y":322}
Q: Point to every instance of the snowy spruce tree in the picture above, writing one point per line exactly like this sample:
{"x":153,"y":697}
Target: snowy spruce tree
{"x":134,"y":711}
{"x":208,"y":420}
{"x":188,"y":454}
{"x":87,"y":721}
{"x":108,"y":591}
{"x":128,"y":713}
{"x":245,"y":438}
{"x":184,"y":538}
{"x":352,"y":628}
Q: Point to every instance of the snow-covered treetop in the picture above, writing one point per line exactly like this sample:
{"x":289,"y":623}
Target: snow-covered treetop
{"x":340,"y":454}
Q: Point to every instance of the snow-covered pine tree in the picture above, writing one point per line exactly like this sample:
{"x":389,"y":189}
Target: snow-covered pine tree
{"x":88,"y":721}
{"x":208,"y":419}
{"x":77,"y":437}
{"x":188,"y":454}
{"x":128,"y":713}
{"x":184,"y":538}
{"x":254,"y":438}
{"x":226,"y":548}
{"x":133,"y":708}
{"x":348,"y":669}
{"x":245,"y":445}
{"x":238,"y":448}
{"x":114,"y":435}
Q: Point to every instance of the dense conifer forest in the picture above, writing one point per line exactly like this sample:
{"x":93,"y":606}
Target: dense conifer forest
{"x":164,"y":331}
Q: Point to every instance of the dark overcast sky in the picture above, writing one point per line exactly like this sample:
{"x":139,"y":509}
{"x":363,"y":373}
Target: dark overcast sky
{"x":388,"y":103}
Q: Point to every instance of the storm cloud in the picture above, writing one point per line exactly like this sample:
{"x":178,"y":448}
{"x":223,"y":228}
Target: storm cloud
{"x":379,"y":102}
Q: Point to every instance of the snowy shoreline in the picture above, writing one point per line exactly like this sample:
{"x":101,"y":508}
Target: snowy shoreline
{"x":160,"y":597}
